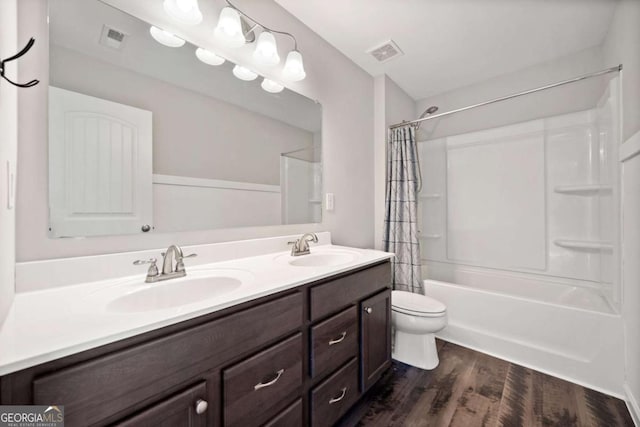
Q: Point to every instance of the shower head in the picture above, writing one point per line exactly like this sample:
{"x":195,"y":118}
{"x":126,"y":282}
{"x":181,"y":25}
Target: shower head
{"x":426,"y":113}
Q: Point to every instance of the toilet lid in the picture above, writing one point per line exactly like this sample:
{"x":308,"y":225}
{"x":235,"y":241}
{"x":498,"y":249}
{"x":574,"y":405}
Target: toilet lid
{"x":409,"y":303}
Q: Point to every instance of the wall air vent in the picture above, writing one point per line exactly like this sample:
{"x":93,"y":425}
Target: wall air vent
{"x":386,"y":51}
{"x":112,"y":38}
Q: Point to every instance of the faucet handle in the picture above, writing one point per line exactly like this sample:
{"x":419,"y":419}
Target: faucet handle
{"x":143,"y":261}
{"x":153,"y":268}
{"x":180,"y":264}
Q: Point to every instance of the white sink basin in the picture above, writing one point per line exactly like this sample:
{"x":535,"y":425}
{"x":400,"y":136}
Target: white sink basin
{"x":135,"y":296}
{"x":324,"y":258}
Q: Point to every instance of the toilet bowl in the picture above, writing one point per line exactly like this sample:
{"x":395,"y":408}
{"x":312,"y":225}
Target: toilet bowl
{"x":415,"y":319}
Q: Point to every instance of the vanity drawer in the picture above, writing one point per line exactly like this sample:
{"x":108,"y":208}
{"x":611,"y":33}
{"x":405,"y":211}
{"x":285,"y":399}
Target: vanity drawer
{"x":256,"y":388}
{"x":290,"y":417}
{"x":329,"y":297}
{"x":334,"y":341}
{"x":334,"y":396}
{"x":95,"y":390}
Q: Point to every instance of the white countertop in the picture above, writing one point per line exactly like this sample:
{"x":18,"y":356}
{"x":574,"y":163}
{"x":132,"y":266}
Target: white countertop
{"x":49,"y":324}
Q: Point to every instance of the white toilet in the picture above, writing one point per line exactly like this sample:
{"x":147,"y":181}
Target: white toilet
{"x":415,"y":319}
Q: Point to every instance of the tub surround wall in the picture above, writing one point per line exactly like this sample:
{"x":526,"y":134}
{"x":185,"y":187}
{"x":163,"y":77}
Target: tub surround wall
{"x":8,"y":148}
{"x":544,"y":203}
{"x":346,"y":95}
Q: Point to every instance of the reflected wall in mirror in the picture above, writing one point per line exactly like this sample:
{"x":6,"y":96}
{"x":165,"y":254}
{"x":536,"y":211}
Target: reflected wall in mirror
{"x":148,"y":137}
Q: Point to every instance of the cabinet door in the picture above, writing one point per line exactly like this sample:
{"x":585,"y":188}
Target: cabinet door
{"x":185,"y":409}
{"x":375,"y":313}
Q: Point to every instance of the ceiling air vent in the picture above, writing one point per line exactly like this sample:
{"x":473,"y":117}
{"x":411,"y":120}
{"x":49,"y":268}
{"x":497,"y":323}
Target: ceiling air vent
{"x":112,"y":38}
{"x":386,"y":51}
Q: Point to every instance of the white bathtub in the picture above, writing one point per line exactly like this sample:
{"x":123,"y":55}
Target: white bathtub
{"x":566,"y":331}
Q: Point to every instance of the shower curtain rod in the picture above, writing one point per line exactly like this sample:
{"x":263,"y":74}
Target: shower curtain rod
{"x":504,"y":98}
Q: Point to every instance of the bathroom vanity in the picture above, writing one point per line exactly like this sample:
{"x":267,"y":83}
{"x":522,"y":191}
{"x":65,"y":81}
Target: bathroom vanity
{"x":299,"y":356}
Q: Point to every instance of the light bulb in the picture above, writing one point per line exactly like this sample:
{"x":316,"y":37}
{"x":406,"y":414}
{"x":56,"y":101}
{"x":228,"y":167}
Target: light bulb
{"x":266,"y":51}
{"x":209,"y":57}
{"x":185,"y":11}
{"x":229,"y":28}
{"x":271,"y":86}
{"x":244,"y":73}
{"x":166,"y":38}
{"x":294,"y":67}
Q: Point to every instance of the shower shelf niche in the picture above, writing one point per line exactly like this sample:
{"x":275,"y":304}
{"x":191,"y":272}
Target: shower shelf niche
{"x":586,"y":189}
{"x":584,"y":244}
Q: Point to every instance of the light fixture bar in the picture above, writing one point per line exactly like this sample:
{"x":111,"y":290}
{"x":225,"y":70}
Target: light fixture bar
{"x":271,"y":30}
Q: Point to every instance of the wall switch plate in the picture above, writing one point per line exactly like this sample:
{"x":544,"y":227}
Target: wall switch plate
{"x":11,"y":184}
{"x":329,"y":201}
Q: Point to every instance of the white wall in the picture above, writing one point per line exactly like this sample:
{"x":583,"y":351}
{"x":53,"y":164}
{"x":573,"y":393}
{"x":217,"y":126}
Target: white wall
{"x":622,"y":46}
{"x":630,"y":155}
{"x":344,"y":90}
{"x":392,"y":105}
{"x":570,"y":98}
{"x":194,"y":135}
{"x":8,"y":147}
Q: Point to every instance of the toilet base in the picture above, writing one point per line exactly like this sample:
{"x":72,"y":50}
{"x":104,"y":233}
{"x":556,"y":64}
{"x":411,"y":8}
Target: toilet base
{"x":417,"y":350}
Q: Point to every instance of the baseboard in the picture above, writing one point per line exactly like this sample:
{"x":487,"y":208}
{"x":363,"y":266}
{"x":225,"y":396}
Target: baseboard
{"x":632,"y":404}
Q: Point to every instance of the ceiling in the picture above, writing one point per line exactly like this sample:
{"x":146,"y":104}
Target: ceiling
{"x":449,"y":44}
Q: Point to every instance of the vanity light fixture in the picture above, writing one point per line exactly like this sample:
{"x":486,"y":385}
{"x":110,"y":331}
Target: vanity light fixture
{"x":184,"y":11}
{"x":243,"y":73}
{"x":166,"y":38}
{"x":294,"y":67}
{"x":209,"y":57}
{"x":229,"y":28}
{"x":266,"y":51}
{"x":271,"y":86}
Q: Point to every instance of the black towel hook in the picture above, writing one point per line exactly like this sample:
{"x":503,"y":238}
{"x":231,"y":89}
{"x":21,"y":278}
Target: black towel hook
{"x":16,"y":56}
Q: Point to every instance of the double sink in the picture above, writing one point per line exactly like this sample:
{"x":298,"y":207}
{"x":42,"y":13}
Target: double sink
{"x":206,"y":284}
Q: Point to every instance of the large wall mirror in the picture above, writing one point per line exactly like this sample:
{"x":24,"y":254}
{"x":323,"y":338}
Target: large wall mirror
{"x":147,"y":138}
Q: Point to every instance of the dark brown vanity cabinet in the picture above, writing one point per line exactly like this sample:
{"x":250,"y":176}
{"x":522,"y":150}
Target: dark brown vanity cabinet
{"x":300,"y":357}
{"x":376,"y":337}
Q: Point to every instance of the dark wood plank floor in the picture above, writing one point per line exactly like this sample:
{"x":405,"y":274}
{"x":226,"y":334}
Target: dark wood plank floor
{"x":470,"y":389}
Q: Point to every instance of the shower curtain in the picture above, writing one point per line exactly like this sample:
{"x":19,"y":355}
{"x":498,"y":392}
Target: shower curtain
{"x":400,"y":223}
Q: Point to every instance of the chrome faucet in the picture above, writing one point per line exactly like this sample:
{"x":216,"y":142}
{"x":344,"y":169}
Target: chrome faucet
{"x":301,"y":246}
{"x":173,"y":253}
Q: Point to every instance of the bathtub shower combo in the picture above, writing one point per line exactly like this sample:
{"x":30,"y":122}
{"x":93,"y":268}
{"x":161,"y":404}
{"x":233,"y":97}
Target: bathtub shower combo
{"x":519,"y":218}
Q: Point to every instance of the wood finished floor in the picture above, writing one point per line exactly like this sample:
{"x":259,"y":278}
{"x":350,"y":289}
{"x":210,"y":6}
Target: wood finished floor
{"x":470,"y":389}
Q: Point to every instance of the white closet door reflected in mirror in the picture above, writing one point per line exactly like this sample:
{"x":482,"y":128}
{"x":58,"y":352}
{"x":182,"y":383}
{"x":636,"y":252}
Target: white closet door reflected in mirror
{"x":99,"y":166}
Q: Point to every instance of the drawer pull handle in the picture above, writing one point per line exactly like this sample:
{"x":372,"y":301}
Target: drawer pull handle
{"x":339,"y":398}
{"x":272,"y":382}
{"x":343,"y":335}
{"x":368,"y":310}
{"x":201,"y":406}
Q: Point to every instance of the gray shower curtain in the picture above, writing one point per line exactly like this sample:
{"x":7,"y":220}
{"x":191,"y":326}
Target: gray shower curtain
{"x":400,"y":223}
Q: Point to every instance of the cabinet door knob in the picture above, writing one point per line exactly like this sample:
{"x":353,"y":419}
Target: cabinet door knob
{"x":343,"y":335}
{"x":272,"y":382}
{"x":201,"y":406}
{"x":368,"y":310}
{"x":333,"y":400}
